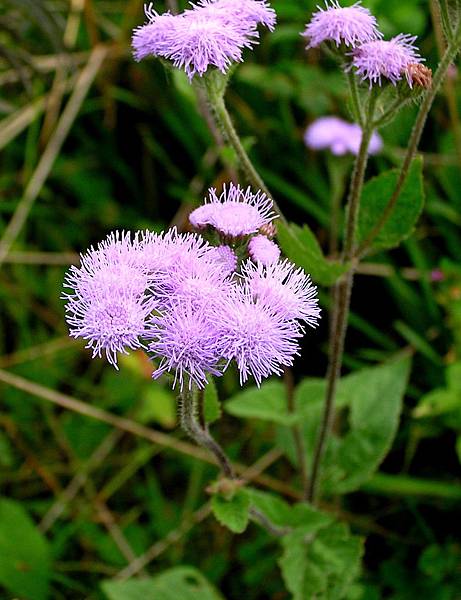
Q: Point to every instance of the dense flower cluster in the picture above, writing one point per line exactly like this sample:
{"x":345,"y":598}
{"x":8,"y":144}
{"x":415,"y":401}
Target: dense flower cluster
{"x":212,"y":33}
{"x":193,"y":306}
{"x":371,"y":57}
{"x":338,"y":136}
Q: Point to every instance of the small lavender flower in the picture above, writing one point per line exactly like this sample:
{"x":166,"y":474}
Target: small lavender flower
{"x":351,"y":25}
{"x":263,"y":250}
{"x":255,"y":335}
{"x":212,"y":34}
{"x":223,"y":256}
{"x":108,"y":304}
{"x":186,"y":341}
{"x":389,"y":59}
{"x":338,"y":136}
{"x":285,"y":288}
{"x":249,"y":11}
{"x":235,"y":213}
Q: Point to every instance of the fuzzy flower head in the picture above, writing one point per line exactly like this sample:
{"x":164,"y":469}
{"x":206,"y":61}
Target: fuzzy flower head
{"x":263,"y":250}
{"x":255,"y":12}
{"x":107,"y":304}
{"x":338,"y":136}
{"x":224,"y":257}
{"x":256,"y":336}
{"x":186,"y":342}
{"x":351,"y":25}
{"x":212,"y":34}
{"x":235,"y":213}
{"x":284,"y":288}
{"x":389,"y":59}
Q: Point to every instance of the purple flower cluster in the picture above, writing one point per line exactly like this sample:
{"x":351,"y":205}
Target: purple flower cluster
{"x":193,"y":306}
{"x":338,"y":136}
{"x":213,"y":33}
{"x":371,"y":57}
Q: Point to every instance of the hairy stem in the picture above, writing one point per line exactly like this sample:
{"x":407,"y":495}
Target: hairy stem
{"x":355,"y":98}
{"x":201,"y":435}
{"x":415,"y":137}
{"x":342,"y":295}
{"x":224,"y":121}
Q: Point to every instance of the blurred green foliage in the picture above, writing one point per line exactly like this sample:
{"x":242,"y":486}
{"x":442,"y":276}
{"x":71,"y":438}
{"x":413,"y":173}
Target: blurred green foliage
{"x":82,"y":501}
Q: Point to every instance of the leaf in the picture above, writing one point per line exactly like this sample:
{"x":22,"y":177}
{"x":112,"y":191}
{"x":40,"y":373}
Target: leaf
{"x":184,"y":583}
{"x":157,"y":405}
{"x":322,"y":566}
{"x":300,"y":245}
{"x":211,"y":404}
{"x":303,"y":517}
{"x":374,"y":399}
{"x":377,"y":193}
{"x":267,"y":402}
{"x":233,"y":513}
{"x":24,"y":554}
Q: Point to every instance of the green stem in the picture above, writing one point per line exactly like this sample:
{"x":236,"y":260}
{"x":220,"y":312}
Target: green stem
{"x":445,"y":19}
{"x":342,"y":296}
{"x":224,"y":121}
{"x":415,"y":137}
{"x":201,"y":435}
{"x":355,"y":98}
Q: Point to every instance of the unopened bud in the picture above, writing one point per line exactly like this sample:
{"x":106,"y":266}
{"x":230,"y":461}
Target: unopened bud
{"x":269,"y":230}
{"x":419,"y":75}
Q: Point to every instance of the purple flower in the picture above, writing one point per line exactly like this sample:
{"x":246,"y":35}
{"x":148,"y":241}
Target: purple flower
{"x":263,"y":250}
{"x":250,"y":11}
{"x":338,"y":136}
{"x":284,"y":288}
{"x":109,"y":305}
{"x":255,"y":335}
{"x":351,"y":25}
{"x":212,"y":34}
{"x":223,"y":256}
{"x":185,"y":339}
{"x":389,"y":59}
{"x":235,"y":213}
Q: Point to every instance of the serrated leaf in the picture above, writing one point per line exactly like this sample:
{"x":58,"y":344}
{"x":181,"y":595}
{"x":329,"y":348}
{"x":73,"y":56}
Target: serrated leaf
{"x":300,"y":245}
{"x":184,"y":583}
{"x":24,"y":554}
{"x":322,"y":566}
{"x":377,"y":193}
{"x":211,"y":404}
{"x":374,"y":399}
{"x":232,"y":513}
{"x":267,"y":402}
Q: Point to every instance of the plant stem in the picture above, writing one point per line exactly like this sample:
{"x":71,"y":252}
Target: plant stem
{"x":450,"y":53}
{"x":296,"y":432}
{"x":224,"y":121}
{"x":355,"y":98}
{"x":342,"y":296}
{"x":201,"y":435}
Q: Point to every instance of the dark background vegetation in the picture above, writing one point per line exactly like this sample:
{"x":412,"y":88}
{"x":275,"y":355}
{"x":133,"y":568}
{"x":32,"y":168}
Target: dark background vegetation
{"x":138,"y":154}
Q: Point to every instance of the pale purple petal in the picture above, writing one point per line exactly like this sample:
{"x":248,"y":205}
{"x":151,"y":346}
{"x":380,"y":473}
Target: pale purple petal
{"x":263,"y":250}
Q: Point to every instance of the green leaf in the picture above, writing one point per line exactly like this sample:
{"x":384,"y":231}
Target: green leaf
{"x":233,"y":513}
{"x":321,"y":566}
{"x":24,"y":554}
{"x":267,"y":402}
{"x":300,"y":245}
{"x":184,"y":583}
{"x":377,"y":193}
{"x":303,"y":517}
{"x":211,"y":404}
{"x":157,"y":405}
{"x":373,"y":398}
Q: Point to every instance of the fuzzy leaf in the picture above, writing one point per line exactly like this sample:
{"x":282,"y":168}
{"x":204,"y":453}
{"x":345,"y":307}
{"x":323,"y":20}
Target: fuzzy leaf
{"x":376,"y":194}
{"x":322,"y":566}
{"x":232,"y":513}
